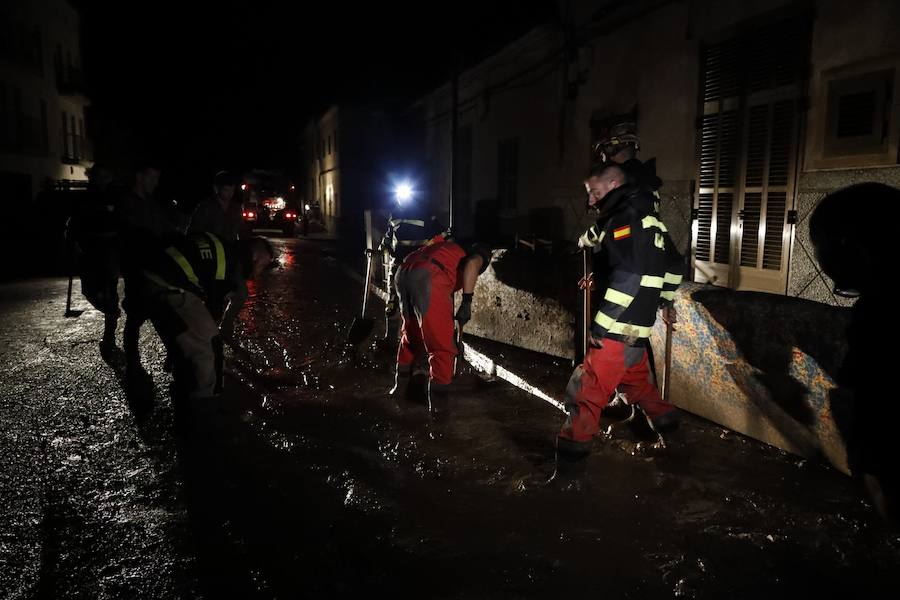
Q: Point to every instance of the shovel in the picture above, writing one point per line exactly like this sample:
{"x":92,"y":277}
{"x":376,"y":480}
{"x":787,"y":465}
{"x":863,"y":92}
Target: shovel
{"x":361,"y":326}
{"x":70,"y":260}
{"x":587,"y":280}
{"x":460,"y":347}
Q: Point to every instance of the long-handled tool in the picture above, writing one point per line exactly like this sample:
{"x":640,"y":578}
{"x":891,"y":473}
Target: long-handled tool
{"x":586,"y":283}
{"x":670,"y":328}
{"x":70,"y":263}
{"x":460,"y":348}
{"x":362,"y":326}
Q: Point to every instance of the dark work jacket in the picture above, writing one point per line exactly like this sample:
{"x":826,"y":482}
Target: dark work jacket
{"x":199,"y":263}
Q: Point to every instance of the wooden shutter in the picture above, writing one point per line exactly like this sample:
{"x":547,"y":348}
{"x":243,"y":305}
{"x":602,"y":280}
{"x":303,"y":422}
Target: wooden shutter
{"x":746,"y":164}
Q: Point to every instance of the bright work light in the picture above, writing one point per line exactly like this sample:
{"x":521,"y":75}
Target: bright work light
{"x":403,"y":192}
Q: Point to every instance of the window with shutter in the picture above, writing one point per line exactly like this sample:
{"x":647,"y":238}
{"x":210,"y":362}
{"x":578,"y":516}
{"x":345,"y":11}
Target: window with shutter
{"x":746,"y":161}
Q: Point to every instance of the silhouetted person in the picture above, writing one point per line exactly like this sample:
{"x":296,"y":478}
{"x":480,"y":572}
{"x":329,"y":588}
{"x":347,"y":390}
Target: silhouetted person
{"x":143,"y":220}
{"x":98,"y":238}
{"x":220,"y":214}
{"x":859,"y":257}
{"x":185,"y":287}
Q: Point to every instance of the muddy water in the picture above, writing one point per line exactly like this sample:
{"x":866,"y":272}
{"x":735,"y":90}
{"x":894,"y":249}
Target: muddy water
{"x":317,"y":484}
{"x":456,"y":509}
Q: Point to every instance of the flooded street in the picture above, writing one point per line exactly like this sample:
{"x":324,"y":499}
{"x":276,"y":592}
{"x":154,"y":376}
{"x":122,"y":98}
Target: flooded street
{"x":316,"y":483}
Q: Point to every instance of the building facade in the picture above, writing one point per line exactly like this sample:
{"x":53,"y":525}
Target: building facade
{"x":43,"y":137}
{"x":753,"y":111}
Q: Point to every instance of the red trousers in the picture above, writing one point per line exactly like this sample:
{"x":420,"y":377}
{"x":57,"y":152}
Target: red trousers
{"x":615,"y":365}
{"x":426,"y":303}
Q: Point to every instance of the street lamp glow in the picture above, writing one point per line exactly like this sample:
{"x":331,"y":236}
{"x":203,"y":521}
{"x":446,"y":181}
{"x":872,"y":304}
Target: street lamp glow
{"x":403,"y":192}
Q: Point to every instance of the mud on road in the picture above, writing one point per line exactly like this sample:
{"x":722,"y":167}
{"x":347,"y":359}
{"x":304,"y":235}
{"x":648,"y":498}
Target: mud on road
{"x":315,"y":483}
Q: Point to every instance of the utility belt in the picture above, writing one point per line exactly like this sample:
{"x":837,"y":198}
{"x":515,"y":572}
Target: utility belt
{"x":628,"y":340}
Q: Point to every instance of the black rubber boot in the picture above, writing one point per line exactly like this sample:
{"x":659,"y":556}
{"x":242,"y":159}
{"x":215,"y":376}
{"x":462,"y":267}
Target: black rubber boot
{"x":438,"y":400}
{"x":571,"y":465}
{"x":108,"y":343}
{"x":401,"y":380}
{"x":666,"y":423}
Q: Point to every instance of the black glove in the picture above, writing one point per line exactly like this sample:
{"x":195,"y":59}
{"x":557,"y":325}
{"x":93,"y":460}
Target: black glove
{"x":464,"y":312}
{"x":597,"y":333}
{"x":390,"y":308}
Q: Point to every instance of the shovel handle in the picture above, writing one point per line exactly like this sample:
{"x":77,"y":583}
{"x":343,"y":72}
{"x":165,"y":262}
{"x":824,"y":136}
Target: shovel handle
{"x":370,"y":254}
{"x":586,"y":315}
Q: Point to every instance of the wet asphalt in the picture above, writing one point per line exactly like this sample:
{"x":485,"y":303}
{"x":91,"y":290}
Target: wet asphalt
{"x":311,"y":482}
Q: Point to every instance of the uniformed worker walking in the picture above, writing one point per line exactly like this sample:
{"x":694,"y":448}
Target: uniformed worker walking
{"x":426,"y":282}
{"x":631,"y":242}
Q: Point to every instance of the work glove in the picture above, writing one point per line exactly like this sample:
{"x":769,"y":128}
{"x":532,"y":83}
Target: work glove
{"x":597,"y":333}
{"x":464,"y":312}
{"x":390,"y":308}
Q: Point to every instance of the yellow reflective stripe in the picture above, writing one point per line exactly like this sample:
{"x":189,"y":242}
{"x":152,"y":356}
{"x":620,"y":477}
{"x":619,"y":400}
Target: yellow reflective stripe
{"x":667,"y":295}
{"x":161,"y":282}
{"x":411,"y":242}
{"x":617,"y":297}
{"x":651,"y":281}
{"x":629,"y":330}
{"x":604,"y":321}
{"x":184,"y":264}
{"x":673,"y":278}
{"x":651,"y":221}
{"x":220,"y":257}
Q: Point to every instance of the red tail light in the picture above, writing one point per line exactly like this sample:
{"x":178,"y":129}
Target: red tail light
{"x":251,"y":215}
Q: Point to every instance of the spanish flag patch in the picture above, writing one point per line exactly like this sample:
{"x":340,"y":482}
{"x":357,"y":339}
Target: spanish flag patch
{"x":622,"y":232}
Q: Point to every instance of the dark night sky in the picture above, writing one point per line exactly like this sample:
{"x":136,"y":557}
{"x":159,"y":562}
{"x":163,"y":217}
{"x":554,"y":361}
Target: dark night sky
{"x":232,"y":85}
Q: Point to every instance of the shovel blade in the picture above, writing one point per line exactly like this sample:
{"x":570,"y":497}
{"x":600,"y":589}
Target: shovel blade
{"x":360,"y":329}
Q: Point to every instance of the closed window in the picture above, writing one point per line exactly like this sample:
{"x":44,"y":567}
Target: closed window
{"x":748,"y":136}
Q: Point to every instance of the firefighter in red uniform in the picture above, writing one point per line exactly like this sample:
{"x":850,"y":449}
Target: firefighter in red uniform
{"x":630,"y":239}
{"x":425,"y":285}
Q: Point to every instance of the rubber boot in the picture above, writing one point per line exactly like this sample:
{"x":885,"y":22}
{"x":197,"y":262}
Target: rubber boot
{"x":438,"y":400}
{"x":108,"y":342}
{"x":571,"y":465}
{"x":134,"y":371}
{"x":665,"y":423}
{"x":401,"y":380}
